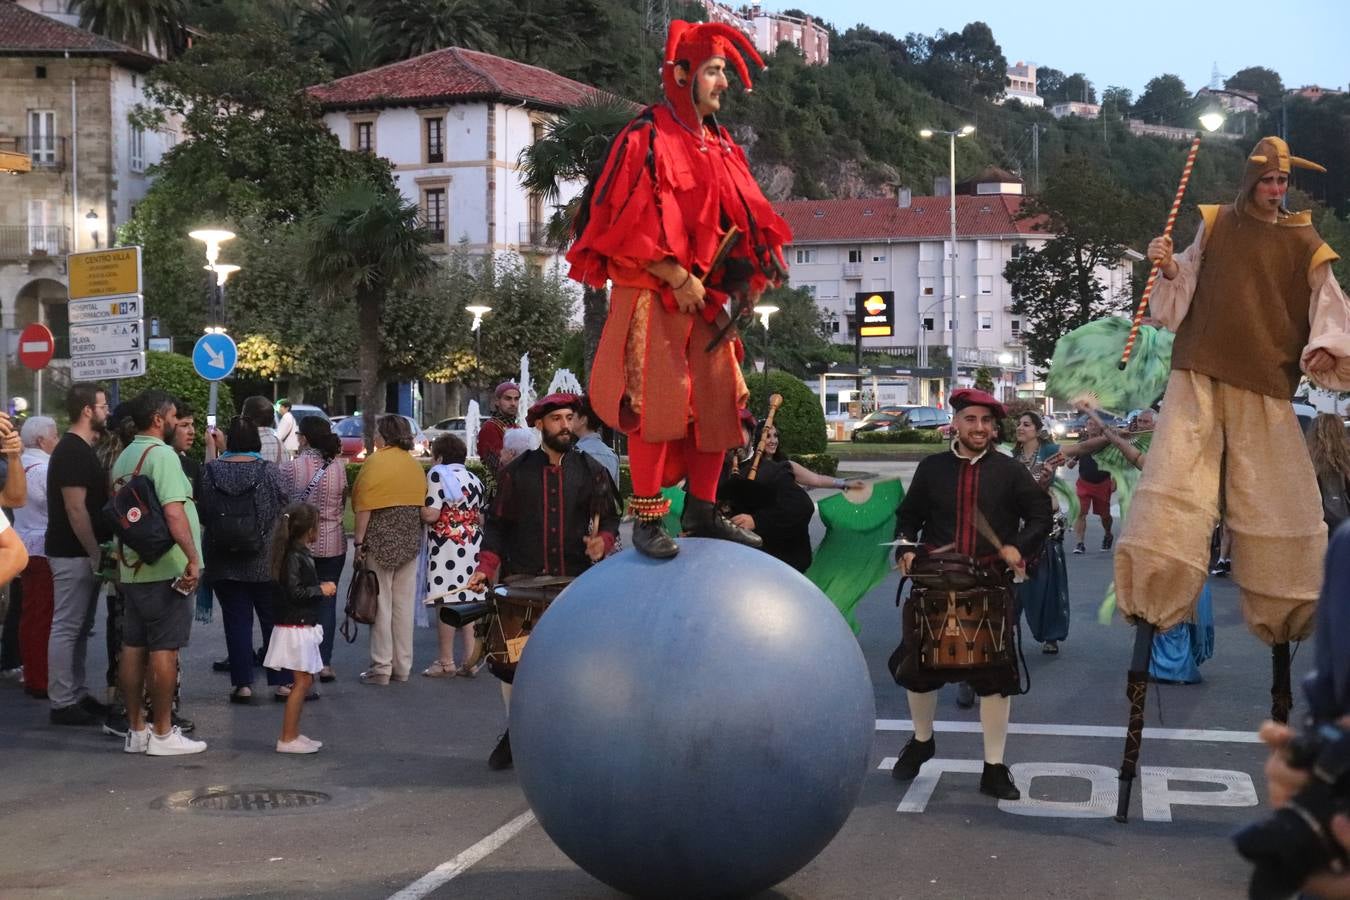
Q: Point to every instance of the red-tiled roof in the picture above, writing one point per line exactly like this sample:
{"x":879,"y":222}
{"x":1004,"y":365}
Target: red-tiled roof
{"x":453,"y":75}
{"x":827,"y":221}
{"x":26,"y":33}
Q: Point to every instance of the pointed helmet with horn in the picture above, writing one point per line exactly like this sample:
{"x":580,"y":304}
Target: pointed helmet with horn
{"x":692,"y":45}
{"x":1271,"y":154}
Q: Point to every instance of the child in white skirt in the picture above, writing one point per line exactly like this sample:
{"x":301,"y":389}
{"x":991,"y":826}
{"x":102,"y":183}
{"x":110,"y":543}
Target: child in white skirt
{"x":296,"y":634}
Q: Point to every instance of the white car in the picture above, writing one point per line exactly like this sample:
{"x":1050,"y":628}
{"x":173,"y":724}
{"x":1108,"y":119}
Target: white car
{"x":455,"y":426}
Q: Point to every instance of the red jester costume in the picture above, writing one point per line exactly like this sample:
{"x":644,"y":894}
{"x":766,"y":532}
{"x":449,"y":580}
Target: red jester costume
{"x":677,"y":224}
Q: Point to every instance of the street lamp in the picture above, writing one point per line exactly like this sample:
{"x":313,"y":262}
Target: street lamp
{"x":966,"y":131}
{"x":764,"y":311}
{"x":91,"y":222}
{"x":477,"y":311}
{"x":213,"y":238}
{"x":1212,"y":119}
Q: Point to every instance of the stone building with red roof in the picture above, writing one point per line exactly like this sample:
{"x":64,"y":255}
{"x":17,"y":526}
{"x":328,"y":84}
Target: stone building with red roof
{"x":453,"y":124}
{"x":66,"y":95}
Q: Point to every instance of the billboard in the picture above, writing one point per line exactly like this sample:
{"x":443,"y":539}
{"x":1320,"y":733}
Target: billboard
{"x":875,"y":313}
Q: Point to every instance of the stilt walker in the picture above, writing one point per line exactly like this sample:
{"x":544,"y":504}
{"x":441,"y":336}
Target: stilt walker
{"x":1254,"y":306}
{"x":676,"y":222}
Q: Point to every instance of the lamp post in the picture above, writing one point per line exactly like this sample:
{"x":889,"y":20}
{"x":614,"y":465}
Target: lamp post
{"x":764,"y":311}
{"x":91,"y":222}
{"x":215,"y":314}
{"x":477,"y":311}
{"x":928,"y":133}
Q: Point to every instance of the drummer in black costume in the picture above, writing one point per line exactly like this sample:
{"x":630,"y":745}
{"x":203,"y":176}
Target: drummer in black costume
{"x":957,"y":502}
{"x":554,"y":513}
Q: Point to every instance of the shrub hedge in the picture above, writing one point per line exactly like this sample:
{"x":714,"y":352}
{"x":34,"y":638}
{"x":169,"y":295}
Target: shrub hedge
{"x":902,"y":436}
{"x":800,"y":420}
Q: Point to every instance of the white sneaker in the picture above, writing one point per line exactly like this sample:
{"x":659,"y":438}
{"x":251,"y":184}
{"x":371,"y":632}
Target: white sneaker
{"x":309,"y":740}
{"x":136,"y":741}
{"x":173,"y":744}
{"x":301,"y":744}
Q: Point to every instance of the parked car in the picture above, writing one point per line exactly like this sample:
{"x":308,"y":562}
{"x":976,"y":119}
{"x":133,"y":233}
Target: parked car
{"x":901,"y":418}
{"x":302,"y":411}
{"x":455,"y":426}
{"x":354,"y":448}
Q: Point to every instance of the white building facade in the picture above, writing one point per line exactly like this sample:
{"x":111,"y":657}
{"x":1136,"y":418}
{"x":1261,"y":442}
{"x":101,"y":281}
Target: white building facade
{"x":453,"y":124}
{"x":842,"y":248}
{"x":1022,"y":85}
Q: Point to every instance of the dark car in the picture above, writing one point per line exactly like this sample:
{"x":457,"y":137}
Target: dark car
{"x":922,"y":418}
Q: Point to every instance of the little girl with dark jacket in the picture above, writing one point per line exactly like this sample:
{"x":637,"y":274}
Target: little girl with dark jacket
{"x":297,"y":633}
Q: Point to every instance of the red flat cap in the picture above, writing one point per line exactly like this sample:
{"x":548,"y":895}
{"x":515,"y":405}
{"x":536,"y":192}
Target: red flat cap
{"x":552,"y":403}
{"x":973,"y":397}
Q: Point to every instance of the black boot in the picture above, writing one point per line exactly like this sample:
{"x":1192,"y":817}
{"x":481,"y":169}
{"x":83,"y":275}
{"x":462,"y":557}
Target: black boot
{"x":996,"y":781}
{"x":500,"y":758}
{"x":912,"y":757}
{"x":701,"y":519}
{"x":650,"y":538}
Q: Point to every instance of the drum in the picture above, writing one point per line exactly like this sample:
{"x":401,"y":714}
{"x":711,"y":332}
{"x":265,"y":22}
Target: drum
{"x":964,"y":613}
{"x":517,"y":605}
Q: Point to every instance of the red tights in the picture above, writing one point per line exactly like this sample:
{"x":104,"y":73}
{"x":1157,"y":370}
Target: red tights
{"x":658,"y":465}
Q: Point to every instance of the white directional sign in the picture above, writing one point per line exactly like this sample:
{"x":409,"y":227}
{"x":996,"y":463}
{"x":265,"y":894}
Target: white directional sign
{"x":110,"y":309}
{"x":108,"y":365}
{"x":105,"y":338}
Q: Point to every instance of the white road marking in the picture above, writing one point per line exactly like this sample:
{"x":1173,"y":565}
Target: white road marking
{"x":1213,"y":735}
{"x":447,"y":871}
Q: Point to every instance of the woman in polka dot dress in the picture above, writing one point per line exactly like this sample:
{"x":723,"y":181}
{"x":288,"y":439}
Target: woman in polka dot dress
{"x":454,"y":519}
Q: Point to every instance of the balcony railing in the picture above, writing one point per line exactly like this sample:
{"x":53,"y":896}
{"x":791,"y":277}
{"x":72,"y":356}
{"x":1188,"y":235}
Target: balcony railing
{"x":535,"y":235}
{"x":853,"y":270}
{"x":45,"y":151}
{"x":27,"y":241}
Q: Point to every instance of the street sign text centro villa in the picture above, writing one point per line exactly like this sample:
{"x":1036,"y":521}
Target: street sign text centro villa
{"x":105,"y":273}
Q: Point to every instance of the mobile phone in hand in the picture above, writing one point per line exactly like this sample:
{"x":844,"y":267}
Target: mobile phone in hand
{"x":180,"y":585}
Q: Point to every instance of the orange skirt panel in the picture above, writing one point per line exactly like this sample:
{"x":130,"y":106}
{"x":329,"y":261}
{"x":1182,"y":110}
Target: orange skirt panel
{"x":652,"y":373}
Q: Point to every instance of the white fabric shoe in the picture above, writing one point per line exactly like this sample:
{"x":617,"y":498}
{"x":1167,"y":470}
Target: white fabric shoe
{"x":301,"y":744}
{"x":175,"y":743}
{"x":136,"y":741}
{"x":311,"y":741}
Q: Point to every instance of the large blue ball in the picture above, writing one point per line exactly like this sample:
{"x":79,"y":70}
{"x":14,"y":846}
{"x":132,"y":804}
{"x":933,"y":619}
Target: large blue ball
{"x":697,"y":727}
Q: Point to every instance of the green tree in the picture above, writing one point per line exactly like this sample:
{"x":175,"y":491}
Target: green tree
{"x":174,"y":373}
{"x":144,"y":24}
{"x":1118,"y":100}
{"x":1055,"y":287}
{"x":970,"y":58}
{"x":572,"y":150}
{"x":412,"y":27}
{"x":364,"y":244}
{"x":1258,"y":80}
{"x":798,"y":337}
{"x":346,"y":35}
{"x":1078,"y":89}
{"x":1166,"y":101}
{"x":1050,"y":84}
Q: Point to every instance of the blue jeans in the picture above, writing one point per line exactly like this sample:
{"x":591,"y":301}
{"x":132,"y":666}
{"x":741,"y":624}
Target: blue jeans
{"x":329,"y":569}
{"x":239,"y":601}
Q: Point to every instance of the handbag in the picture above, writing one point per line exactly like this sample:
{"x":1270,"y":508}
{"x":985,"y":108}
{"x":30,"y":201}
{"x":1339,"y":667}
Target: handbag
{"x":363,"y":602}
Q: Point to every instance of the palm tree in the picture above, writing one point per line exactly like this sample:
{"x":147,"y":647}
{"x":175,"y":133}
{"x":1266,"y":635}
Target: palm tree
{"x":363,"y":243}
{"x":346,"y":36}
{"x":152,"y":25}
{"x":413,"y":27}
{"x":573,"y":149}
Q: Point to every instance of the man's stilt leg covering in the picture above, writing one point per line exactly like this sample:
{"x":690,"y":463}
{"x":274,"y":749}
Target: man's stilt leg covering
{"x":1136,"y":691}
{"x":1281,"y":690}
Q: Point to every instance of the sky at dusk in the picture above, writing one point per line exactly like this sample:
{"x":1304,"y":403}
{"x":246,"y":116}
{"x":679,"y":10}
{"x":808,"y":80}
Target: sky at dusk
{"x":1117,"y":44}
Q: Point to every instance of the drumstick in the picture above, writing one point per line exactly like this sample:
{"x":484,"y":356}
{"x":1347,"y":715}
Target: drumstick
{"x":987,"y":532}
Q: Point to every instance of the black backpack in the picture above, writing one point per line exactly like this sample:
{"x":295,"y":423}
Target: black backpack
{"x":231,"y":524}
{"x":137,"y":518}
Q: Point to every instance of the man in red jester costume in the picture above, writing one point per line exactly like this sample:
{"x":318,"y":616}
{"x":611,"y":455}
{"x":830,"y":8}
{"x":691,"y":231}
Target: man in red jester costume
{"x":676,"y":222}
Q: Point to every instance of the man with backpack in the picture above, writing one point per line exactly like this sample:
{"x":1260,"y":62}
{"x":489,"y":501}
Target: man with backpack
{"x":154,"y":499}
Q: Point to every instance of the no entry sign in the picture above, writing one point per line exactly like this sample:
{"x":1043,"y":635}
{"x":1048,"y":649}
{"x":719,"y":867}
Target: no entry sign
{"x":36,"y":346}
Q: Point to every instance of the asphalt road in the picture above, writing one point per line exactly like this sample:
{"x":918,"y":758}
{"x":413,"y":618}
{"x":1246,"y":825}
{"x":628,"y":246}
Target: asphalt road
{"x":404,"y":767}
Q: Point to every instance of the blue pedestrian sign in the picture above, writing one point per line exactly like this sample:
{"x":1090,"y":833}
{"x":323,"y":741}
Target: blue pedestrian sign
{"x":214,"y":356}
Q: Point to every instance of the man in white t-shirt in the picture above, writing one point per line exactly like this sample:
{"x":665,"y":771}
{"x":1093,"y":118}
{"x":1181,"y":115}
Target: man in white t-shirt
{"x":287,"y":432}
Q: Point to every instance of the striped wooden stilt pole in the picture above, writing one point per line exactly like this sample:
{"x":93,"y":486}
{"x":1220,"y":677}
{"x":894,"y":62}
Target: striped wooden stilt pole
{"x":1153,"y":273}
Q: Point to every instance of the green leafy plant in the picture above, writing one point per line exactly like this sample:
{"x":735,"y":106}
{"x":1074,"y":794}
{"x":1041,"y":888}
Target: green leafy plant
{"x":174,"y":373}
{"x":800,"y":420}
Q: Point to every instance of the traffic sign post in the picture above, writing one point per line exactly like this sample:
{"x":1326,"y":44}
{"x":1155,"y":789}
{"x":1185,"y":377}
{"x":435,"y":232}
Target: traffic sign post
{"x":107,"y":332}
{"x":36,"y":346}
{"x":213,"y":358}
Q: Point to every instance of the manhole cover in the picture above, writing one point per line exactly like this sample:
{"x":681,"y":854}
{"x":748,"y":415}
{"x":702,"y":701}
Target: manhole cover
{"x":235,"y":800}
